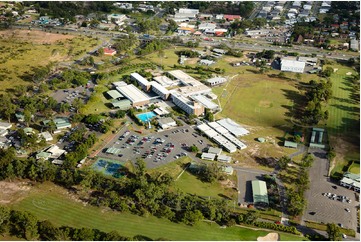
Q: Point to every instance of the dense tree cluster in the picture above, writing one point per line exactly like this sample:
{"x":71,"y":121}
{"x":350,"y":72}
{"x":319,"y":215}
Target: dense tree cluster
{"x":70,"y":78}
{"x":316,"y":95}
{"x":188,"y":53}
{"x":154,"y":45}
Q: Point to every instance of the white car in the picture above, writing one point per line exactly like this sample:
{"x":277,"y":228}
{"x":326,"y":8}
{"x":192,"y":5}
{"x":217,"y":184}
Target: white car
{"x":344,"y":236}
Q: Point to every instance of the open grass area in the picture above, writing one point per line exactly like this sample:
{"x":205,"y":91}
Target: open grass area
{"x":354,"y":168}
{"x":343,"y":111}
{"x":255,"y":99}
{"x":173,"y":168}
{"x":22,"y":51}
{"x":97,"y":102}
{"x":189,"y":183}
{"x":53,"y":203}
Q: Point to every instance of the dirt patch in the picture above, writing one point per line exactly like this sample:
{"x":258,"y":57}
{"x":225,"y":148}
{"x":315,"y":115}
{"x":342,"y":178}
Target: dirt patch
{"x":192,"y":61}
{"x":269,"y":237}
{"x":228,"y":183}
{"x":34,"y":36}
{"x":13,"y":191}
{"x":265,"y":104}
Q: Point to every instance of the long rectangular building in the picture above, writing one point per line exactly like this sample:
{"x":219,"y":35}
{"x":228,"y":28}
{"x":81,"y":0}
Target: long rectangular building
{"x":293,"y":66}
{"x":136,"y":96}
{"x":160,"y":90}
{"x":207,"y":103}
{"x":144,"y":83}
{"x":233,"y":127}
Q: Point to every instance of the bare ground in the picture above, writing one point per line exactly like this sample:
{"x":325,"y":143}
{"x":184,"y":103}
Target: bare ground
{"x":13,"y":191}
{"x":269,"y":237}
{"x":34,"y":36}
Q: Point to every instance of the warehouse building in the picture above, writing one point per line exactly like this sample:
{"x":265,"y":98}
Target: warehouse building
{"x":134,"y":95}
{"x":207,"y":103}
{"x":190,"y":107}
{"x":224,"y":158}
{"x":160,"y":90}
{"x":214,"y":150}
{"x":292,"y":65}
{"x":144,"y":83}
{"x":216,"y":81}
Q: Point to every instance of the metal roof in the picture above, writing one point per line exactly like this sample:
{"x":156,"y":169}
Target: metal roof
{"x":133,"y":93}
{"x":114,"y":94}
{"x":207,"y":103}
{"x":290,"y":144}
{"x":233,"y":127}
{"x":259,"y":190}
{"x":214,"y":150}
{"x":140,"y":79}
{"x":208,"y":156}
{"x":224,"y":158}
{"x":122,"y":104}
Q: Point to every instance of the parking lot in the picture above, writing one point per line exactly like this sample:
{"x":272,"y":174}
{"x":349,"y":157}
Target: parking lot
{"x":157,"y":148}
{"x":328,"y":209}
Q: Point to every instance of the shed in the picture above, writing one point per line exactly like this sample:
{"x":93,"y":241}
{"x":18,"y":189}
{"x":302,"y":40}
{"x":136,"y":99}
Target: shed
{"x":224,"y":158}
{"x":262,"y":140}
{"x":208,"y":156}
{"x":290,"y":144}
{"x":47,"y":136}
{"x":228,"y":170}
{"x":213,"y":150}
{"x":166,"y":123}
{"x":259,"y":190}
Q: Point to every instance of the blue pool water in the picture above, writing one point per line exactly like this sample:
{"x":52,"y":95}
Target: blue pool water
{"x":145,"y":117}
{"x":109,"y":167}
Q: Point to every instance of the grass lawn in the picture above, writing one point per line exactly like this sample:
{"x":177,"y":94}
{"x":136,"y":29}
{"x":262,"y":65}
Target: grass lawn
{"x":354,"y":168}
{"x":189,"y":183}
{"x":22,"y":51}
{"x":51,"y":202}
{"x":255,"y":99}
{"x":97,"y":101}
{"x":173,"y":168}
{"x":343,"y":122}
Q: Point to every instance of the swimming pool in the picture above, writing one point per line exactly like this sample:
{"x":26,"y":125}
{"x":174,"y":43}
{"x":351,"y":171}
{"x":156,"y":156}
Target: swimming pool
{"x":145,"y":117}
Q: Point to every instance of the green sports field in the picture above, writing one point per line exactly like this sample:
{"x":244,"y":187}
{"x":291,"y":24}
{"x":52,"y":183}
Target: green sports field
{"x":343,"y":113}
{"x":256,"y":100}
{"x":50,"y":202}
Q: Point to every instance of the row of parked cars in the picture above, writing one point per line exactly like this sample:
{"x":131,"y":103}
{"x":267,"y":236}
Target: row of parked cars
{"x":340,"y":198}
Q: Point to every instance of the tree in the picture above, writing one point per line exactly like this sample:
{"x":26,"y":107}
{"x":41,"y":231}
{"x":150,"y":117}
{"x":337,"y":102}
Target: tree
{"x":47,"y":230}
{"x":192,"y":217}
{"x":283,"y":161}
{"x":194,"y":148}
{"x":100,"y":51}
{"x":250,"y":217}
{"x":140,"y":167}
{"x":83,"y":234}
{"x":4,"y":219}
{"x":334,"y":232}
{"x":27,"y":117}
{"x":77,"y":104}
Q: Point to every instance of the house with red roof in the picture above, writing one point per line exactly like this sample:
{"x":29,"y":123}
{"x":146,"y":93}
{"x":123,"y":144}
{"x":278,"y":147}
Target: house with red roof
{"x":230,"y":17}
{"x":109,"y":51}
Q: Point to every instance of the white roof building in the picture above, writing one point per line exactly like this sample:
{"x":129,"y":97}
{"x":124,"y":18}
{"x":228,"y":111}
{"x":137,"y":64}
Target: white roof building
{"x":160,"y":90}
{"x":354,"y":44}
{"x":119,"y":84}
{"x":144,"y":83}
{"x":165,"y":81}
{"x":55,"y":151}
{"x":216,"y":126}
{"x":207,"y":103}
{"x":207,"y":26}
{"x":216,"y":81}
{"x":214,"y":150}
{"x":224,"y":158}
{"x":208,"y":156}
{"x":136,"y":96}
{"x":166,"y":123}
{"x":292,"y":66}
{"x":47,"y":136}
{"x":233,"y":127}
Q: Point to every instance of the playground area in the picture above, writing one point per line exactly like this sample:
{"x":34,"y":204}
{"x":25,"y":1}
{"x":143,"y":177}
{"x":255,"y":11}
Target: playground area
{"x":110,"y":167}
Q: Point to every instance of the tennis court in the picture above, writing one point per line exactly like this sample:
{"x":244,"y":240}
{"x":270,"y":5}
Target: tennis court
{"x":109,"y":167}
